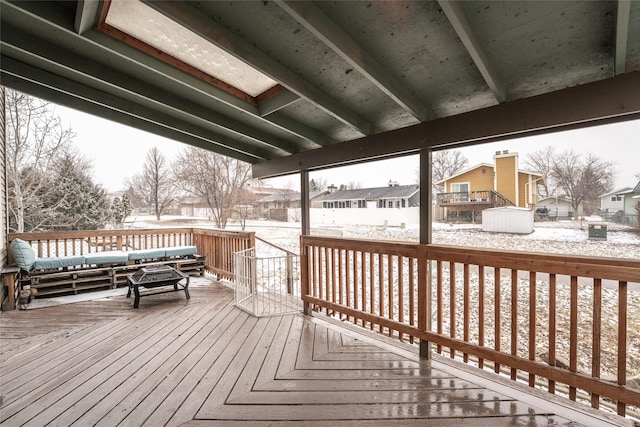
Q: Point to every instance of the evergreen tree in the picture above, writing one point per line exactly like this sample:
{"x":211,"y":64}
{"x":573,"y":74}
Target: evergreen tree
{"x":80,"y":204}
{"x":121,"y":209}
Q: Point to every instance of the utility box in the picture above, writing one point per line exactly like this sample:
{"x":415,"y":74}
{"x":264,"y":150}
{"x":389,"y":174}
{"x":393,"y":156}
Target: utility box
{"x":597,"y":231}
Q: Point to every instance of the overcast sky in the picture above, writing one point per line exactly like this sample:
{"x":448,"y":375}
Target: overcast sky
{"x":118,"y":152}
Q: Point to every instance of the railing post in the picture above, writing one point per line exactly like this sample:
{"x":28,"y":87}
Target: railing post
{"x":304,"y":276}
{"x":424,"y":306}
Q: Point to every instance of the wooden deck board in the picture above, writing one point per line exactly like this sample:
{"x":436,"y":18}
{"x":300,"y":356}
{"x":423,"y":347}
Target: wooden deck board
{"x":204,"y":362}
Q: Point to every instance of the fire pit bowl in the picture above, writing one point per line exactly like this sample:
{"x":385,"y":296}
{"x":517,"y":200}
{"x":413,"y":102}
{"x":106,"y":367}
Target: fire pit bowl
{"x":156,"y":277}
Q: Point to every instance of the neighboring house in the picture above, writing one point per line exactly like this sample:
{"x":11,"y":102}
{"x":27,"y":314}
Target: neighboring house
{"x":613,"y":201}
{"x":490,"y":185}
{"x":276,"y":206}
{"x":621,"y":205}
{"x":556,"y":208}
{"x":392,"y":196}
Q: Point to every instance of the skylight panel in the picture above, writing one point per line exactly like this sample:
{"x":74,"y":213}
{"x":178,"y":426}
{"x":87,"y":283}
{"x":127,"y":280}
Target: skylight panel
{"x":153,"y":28}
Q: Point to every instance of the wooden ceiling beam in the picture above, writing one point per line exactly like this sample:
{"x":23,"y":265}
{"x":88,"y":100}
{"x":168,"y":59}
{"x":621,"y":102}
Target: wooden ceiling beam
{"x":463,"y":28}
{"x":315,"y":21}
{"x":622,"y":35}
{"x":605,"y":101}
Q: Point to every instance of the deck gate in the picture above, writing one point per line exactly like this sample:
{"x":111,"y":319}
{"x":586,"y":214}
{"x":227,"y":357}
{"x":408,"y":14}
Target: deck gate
{"x":267,"y":286}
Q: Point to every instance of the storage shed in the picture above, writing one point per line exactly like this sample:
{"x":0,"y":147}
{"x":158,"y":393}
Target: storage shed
{"x":508,"y":219}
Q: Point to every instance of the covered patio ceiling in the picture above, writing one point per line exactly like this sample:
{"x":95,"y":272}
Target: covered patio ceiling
{"x":291,"y":86}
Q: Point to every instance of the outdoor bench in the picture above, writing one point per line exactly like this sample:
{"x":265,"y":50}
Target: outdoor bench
{"x":54,"y":276}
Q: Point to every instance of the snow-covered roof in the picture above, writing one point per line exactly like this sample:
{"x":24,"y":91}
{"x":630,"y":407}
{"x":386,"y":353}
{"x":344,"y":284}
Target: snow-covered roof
{"x":396,"y":191}
{"x":288,"y":196}
{"x":618,"y":191}
{"x":554,"y":199}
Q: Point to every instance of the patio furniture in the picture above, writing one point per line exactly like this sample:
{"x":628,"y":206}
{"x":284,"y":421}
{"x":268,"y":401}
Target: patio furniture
{"x":155,"y":277}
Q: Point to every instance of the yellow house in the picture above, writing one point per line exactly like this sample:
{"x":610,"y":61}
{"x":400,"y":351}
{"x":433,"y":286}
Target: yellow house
{"x":490,"y":185}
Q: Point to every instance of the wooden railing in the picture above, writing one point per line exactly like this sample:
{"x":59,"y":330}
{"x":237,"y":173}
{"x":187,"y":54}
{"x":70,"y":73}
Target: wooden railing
{"x":521,"y":312}
{"x":217,"y":245}
{"x":477,"y":197}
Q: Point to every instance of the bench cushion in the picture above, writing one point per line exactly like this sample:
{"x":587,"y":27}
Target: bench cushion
{"x":180,"y":251}
{"x":146,"y":254}
{"x":58,"y":262}
{"x":23,"y":254}
{"x":107,"y":257}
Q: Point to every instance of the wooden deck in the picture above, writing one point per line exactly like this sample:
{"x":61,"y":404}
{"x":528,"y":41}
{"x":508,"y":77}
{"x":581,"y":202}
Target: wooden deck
{"x":204,"y":362}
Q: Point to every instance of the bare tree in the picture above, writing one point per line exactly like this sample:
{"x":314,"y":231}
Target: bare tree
{"x":541,"y":161}
{"x":318,"y":183}
{"x":217,"y":180}
{"x":444,"y":164}
{"x":35,"y":141}
{"x":582,"y":178}
{"x":155,"y":185}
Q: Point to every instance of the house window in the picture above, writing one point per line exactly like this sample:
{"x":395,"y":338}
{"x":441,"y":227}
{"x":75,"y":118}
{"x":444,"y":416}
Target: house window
{"x":462,"y":190}
{"x":616,"y":198}
{"x":404,"y":202}
{"x":397,"y":203}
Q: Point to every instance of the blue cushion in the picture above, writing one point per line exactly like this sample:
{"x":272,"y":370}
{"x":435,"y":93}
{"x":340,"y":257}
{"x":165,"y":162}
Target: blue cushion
{"x":107,"y":257}
{"x":23,"y":254}
{"x":180,"y":251}
{"x":58,"y":262}
{"x":146,"y":254}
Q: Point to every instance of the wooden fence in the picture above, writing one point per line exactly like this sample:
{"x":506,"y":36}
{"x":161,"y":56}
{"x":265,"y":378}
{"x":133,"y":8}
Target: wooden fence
{"x":523,"y":313}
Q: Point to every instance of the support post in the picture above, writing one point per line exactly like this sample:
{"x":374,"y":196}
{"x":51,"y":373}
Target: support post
{"x":424,"y":272}
{"x":306,"y":230}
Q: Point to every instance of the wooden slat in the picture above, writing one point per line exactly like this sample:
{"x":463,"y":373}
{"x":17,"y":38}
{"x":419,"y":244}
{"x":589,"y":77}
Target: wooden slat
{"x":596,"y":337}
{"x":452,"y":306}
{"x":622,"y":341}
{"x":552,"y":328}
{"x":497,"y":311}
{"x":573,"y":332}
{"x":466,"y":308}
{"x":532,"y":323}
{"x":481,"y":282}
{"x":514,"y":319}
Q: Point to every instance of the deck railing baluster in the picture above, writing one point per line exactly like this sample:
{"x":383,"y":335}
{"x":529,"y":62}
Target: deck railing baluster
{"x":481,"y":312}
{"x":597,"y":331}
{"x":552,"y":328}
{"x":452,"y":306}
{"x":466,"y":309}
{"x":573,"y":332}
{"x":497,"y":320}
{"x":622,"y":341}
{"x":532,"y":323}
{"x":514,"y":319}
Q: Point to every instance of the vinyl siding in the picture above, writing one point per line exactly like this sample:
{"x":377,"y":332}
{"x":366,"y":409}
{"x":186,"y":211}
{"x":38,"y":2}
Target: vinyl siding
{"x":479,"y":179}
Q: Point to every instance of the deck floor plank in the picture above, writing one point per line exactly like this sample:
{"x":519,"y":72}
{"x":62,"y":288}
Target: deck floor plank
{"x":92,"y":384}
{"x":184,"y":395}
{"x":152,"y":370}
{"x":92,"y":364}
{"x":141,"y":403}
{"x":204,"y":362}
